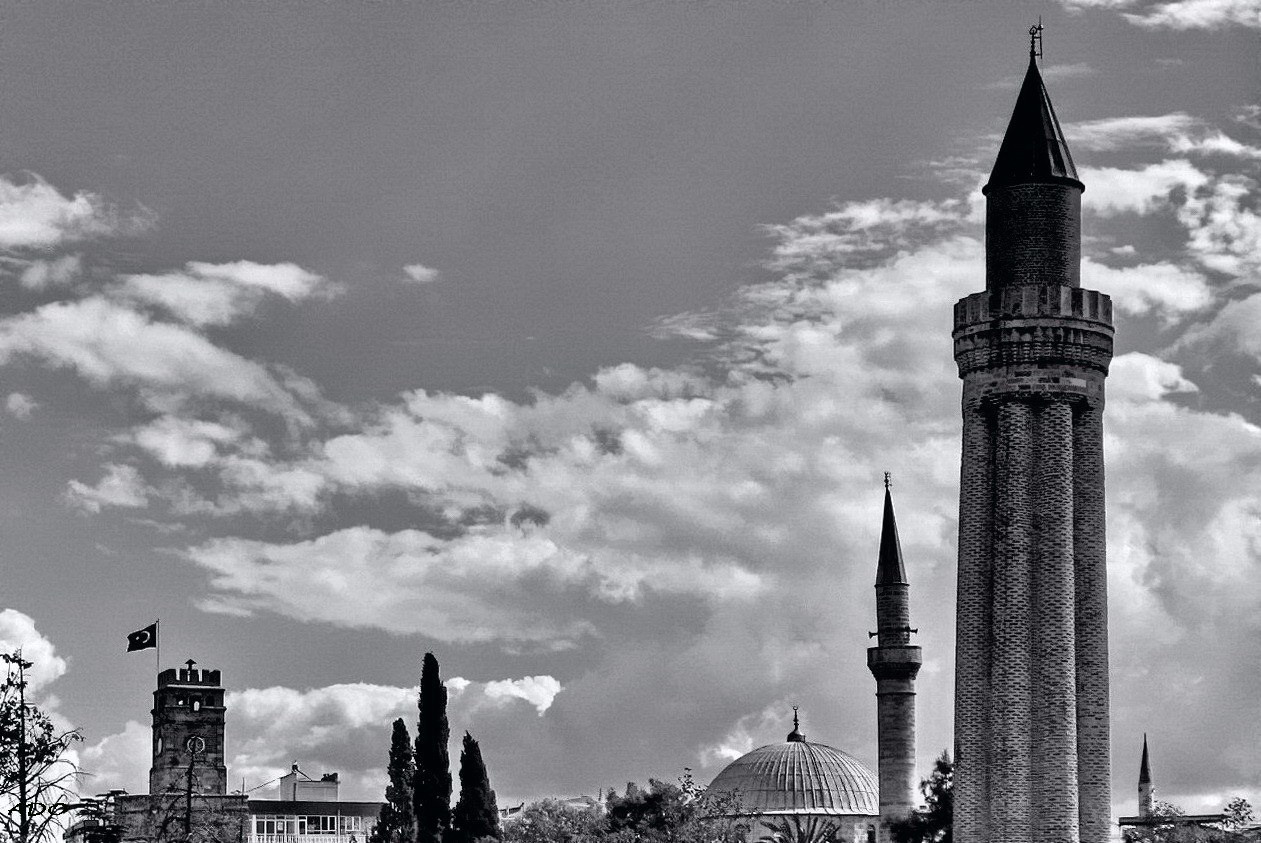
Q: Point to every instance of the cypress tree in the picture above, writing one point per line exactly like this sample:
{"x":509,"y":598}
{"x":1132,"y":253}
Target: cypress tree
{"x":476,"y":814}
{"x":396,"y":822}
{"x":431,"y":792}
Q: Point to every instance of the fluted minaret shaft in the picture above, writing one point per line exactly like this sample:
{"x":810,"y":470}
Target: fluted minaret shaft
{"x":894,"y":662}
{"x":1031,"y":684}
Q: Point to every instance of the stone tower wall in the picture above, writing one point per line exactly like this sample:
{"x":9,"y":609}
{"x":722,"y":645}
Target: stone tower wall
{"x":188,"y":703}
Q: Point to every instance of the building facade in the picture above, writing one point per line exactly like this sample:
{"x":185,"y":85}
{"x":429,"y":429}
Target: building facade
{"x":188,"y":799}
{"x":1033,"y":349}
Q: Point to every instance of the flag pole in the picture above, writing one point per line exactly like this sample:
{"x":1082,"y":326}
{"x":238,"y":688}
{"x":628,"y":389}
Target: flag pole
{"x":157,"y":641}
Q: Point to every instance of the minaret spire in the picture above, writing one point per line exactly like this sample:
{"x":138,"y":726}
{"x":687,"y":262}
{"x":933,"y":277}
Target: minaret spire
{"x":894,"y":662}
{"x":1145,"y":784}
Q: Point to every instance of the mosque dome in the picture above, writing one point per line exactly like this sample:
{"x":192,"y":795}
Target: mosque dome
{"x":800,"y":778}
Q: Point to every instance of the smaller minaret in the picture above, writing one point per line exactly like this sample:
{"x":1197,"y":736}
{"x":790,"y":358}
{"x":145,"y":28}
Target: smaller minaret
{"x":894,"y":662}
{"x":1145,"y":787}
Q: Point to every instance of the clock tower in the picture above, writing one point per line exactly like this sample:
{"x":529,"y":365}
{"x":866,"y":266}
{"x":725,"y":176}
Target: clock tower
{"x":188,"y":729}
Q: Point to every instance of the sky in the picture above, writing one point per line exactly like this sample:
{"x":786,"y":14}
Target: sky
{"x":570,"y":342}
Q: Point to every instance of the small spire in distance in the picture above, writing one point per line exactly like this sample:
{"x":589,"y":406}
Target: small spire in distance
{"x":889,"y":569}
{"x":795,"y":735}
{"x":1145,"y":770}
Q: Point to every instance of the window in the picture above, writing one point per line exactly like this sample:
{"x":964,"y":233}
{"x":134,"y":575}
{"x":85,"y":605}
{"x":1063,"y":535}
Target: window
{"x":196,"y":704}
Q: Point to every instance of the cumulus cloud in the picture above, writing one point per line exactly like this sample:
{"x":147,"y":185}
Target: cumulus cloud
{"x":1234,"y":328}
{"x":217,"y":294}
{"x":20,"y":405}
{"x":55,"y":272}
{"x":18,"y":632}
{"x":478,"y":587}
{"x":1163,"y":288}
{"x":420,"y":274}
{"x":1179,"y":14}
{"x":36,"y":215}
{"x":538,"y":691}
{"x":110,"y":345}
{"x":121,"y":486}
{"x":119,"y":761}
{"x":1138,"y":191}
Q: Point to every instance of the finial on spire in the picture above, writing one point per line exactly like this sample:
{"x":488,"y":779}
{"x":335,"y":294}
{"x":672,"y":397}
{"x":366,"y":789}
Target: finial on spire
{"x":797,"y":725}
{"x":888,"y":482}
{"x":1035,"y":40}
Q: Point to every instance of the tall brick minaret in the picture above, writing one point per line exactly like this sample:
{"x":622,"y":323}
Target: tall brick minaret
{"x":1031,"y":682}
{"x":894,"y":662}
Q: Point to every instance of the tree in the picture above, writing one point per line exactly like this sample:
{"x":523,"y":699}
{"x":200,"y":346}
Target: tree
{"x":552,"y":821}
{"x":935,"y":823}
{"x":396,"y":822}
{"x":36,"y":776}
{"x":431,"y":789}
{"x":1177,"y":829}
{"x":476,"y":815}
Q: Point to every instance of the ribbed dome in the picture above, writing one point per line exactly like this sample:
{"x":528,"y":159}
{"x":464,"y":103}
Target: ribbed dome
{"x":798,"y":777}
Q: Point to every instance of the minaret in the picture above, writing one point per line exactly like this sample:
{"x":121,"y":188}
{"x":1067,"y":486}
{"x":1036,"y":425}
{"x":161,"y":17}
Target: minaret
{"x":894,"y":662}
{"x":1145,"y":788}
{"x":1031,"y":682}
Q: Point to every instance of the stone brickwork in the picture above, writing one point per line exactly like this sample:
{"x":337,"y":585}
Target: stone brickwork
{"x":188,"y":705}
{"x":1033,"y":350}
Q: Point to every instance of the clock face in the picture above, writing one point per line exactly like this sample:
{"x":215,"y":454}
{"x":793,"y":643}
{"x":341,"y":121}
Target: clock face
{"x":196,"y":744}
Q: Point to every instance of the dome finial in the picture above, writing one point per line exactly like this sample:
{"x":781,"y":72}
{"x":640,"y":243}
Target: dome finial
{"x":795,"y":735}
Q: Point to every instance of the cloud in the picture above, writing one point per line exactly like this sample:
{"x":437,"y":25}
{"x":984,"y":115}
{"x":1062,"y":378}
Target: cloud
{"x":20,"y":405}
{"x":1177,"y":132}
{"x":1180,"y":14}
{"x":110,"y":346}
{"x":1234,"y":329}
{"x":119,"y":761}
{"x":1138,"y":191}
{"x":486,"y":585}
{"x":421,"y":274}
{"x":177,"y":441}
{"x":121,"y":486}
{"x":206,"y":294}
{"x":1198,"y":14}
{"x":538,"y":691}
{"x":1169,"y":290}
{"x":18,"y":632}
{"x":57,"y":272}
{"x":35,"y":215}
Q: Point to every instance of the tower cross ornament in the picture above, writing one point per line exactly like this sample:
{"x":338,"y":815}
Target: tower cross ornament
{"x":1035,"y":39}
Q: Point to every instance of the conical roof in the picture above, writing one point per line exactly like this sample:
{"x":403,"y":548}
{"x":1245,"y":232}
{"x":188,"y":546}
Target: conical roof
{"x":799,"y":777}
{"x":1033,"y":149}
{"x":889,"y":568}
{"x":1144,"y":769}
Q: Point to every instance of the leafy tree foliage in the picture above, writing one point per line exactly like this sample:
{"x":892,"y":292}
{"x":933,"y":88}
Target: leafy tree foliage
{"x":553,"y":821}
{"x":935,"y":823}
{"x":658,"y":813}
{"x":36,"y":776}
{"x":431,"y":789}
{"x":476,"y":815}
{"x":396,"y":822}
{"x":1177,"y":829}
